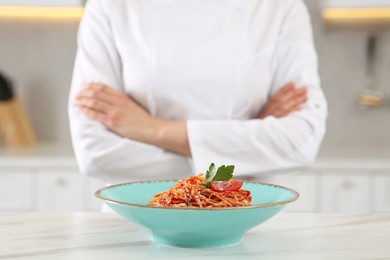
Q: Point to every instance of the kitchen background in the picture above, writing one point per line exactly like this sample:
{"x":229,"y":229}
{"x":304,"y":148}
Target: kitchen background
{"x":354,"y":163}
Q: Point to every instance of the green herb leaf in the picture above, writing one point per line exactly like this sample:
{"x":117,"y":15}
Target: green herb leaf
{"x":211,"y":173}
{"x":224,"y":173}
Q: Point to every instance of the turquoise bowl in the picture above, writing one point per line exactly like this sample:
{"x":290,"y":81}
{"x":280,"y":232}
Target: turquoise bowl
{"x":194,"y":227}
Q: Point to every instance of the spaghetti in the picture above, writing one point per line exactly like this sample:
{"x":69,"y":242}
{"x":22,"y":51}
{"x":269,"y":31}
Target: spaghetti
{"x":192,"y":192}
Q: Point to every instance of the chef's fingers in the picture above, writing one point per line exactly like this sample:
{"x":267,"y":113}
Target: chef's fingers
{"x":104,"y":88}
{"x":93,"y":103}
{"x":272,"y":103}
{"x":282,"y":106}
{"x":291,"y":106}
{"x":282,"y":94}
{"x":280,"y":114}
{"x":96,"y":94}
{"x":266,"y":111}
{"x":287,"y":95}
{"x":280,"y":100}
{"x":95,"y":115}
{"x":299,"y":96}
{"x":286,"y":88}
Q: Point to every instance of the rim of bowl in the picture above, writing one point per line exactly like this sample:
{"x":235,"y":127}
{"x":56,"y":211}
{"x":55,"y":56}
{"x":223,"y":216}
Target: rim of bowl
{"x":99,"y":196}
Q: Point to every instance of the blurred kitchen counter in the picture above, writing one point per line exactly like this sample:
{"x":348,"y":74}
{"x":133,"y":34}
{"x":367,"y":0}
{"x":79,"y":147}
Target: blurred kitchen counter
{"x":108,"y":236}
{"x":330,"y":156}
{"x":358,"y":178}
{"x":353,"y":157}
{"x":41,"y":155}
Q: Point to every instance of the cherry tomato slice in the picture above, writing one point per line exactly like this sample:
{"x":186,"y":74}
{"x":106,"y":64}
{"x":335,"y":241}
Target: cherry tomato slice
{"x":222,"y":186}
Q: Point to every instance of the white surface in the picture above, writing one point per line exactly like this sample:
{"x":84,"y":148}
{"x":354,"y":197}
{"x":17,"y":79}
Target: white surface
{"x":107,"y":236}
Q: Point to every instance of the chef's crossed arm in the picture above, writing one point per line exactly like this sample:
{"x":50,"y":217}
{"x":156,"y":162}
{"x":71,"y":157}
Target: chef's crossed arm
{"x":272,"y":143}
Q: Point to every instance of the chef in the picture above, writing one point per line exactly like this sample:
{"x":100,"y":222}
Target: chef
{"x":163,"y":88}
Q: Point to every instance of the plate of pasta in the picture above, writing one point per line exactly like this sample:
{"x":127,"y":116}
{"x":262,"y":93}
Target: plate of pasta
{"x":204,"y":210}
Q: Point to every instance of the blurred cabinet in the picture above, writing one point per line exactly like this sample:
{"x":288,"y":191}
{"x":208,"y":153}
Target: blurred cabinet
{"x":307,"y":185}
{"x":50,"y":190}
{"x":347,"y":192}
{"x":92,"y":203}
{"x":382,"y":192}
{"x":66,"y":191}
{"x":339,"y":191}
{"x":61,"y":191}
{"x":16,"y":190}
{"x":24,"y":188}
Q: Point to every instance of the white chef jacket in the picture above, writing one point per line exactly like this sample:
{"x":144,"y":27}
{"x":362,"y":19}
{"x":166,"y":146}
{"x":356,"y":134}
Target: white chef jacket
{"x":212,"y":63}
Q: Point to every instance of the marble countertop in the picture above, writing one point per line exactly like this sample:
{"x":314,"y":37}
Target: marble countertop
{"x":108,"y":236}
{"x":330,"y":156}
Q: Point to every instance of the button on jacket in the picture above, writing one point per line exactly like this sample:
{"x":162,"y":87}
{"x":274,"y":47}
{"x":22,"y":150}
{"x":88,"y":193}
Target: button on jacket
{"x":212,"y":63}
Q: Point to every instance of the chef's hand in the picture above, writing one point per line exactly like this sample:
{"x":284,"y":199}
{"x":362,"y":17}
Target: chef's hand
{"x":117,"y":111}
{"x":125,"y":117}
{"x":285,"y":101}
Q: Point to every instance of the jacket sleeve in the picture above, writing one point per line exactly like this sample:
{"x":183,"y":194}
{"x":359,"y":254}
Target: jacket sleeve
{"x":99,"y":152}
{"x":263,"y":145}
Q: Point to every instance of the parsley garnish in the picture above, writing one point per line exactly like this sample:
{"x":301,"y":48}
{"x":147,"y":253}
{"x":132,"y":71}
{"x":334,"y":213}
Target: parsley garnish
{"x":224,"y":173}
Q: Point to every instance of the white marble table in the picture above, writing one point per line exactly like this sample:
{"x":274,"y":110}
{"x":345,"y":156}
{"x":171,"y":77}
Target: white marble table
{"x":108,"y":236}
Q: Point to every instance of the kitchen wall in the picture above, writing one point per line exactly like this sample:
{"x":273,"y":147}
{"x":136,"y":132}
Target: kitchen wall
{"x":342,"y":61}
{"x":39,"y":56}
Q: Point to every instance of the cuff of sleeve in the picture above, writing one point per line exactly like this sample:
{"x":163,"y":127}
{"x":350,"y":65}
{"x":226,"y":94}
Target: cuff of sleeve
{"x":195,"y":142}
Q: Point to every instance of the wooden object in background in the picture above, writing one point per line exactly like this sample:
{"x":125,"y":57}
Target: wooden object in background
{"x":356,"y":18}
{"x":15,"y":127}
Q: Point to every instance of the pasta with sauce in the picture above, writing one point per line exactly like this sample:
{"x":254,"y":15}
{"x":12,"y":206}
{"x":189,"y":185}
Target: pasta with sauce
{"x":192,"y":192}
